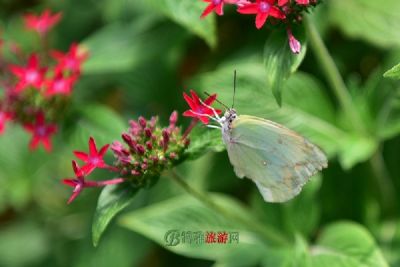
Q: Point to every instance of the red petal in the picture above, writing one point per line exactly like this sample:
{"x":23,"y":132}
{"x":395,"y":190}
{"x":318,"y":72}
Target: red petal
{"x":81,"y":155}
{"x":47,"y":144}
{"x":275,"y":12}
{"x":282,"y":2}
{"x":17,"y":70}
{"x":74,"y":195}
{"x":219,"y":9}
{"x":69,"y":182}
{"x":92,"y":146}
{"x":248,"y":9}
{"x":207,"y":10}
{"x":189,"y":101}
{"x":210,"y":99}
{"x":261,"y":18}
{"x":203,"y":119}
{"x":33,"y":61}
{"x":34,"y":143}
{"x":103,"y":150}
{"x":195,"y":97}
{"x":113,"y":181}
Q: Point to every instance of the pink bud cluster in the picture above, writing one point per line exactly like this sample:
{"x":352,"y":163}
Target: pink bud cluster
{"x":148,"y":149}
{"x":284,"y":12}
{"x":37,"y":85}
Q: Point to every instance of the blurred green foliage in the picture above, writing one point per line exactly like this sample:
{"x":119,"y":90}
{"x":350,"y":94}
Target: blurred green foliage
{"x":143,"y":55}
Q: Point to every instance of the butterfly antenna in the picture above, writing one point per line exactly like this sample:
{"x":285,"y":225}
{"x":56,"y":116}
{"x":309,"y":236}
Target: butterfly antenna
{"x":225,"y":106}
{"x":234,"y":88}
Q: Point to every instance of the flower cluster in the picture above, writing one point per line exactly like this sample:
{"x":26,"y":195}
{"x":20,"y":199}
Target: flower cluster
{"x":37,"y":86}
{"x":147,"y":150}
{"x":285,"y":12}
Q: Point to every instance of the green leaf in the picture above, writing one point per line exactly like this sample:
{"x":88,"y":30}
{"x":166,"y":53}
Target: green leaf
{"x":98,"y":121}
{"x":280,"y":62}
{"x":346,"y":244}
{"x":393,"y":73}
{"x":187,"y":14}
{"x":297,"y":216}
{"x":120,"y":47}
{"x":369,"y":20}
{"x":203,"y":140}
{"x":112,"y":200}
{"x":184,"y":213}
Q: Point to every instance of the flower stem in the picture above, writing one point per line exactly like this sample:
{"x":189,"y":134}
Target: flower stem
{"x":332,"y":75}
{"x":272,"y":237}
{"x":385,"y":183}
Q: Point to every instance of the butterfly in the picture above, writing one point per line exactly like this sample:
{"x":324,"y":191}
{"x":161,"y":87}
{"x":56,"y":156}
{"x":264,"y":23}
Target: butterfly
{"x":278,"y":160}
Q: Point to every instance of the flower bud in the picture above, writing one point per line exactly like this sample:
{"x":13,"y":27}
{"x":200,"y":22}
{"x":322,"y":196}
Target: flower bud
{"x":148,"y":132}
{"x":149,"y":145}
{"x":135,"y":173}
{"x":142,"y":122}
{"x":140,"y":149}
{"x":173,"y":119}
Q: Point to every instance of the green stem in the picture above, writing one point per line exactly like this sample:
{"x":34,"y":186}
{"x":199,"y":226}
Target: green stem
{"x":385,"y":183}
{"x":272,"y":237}
{"x":332,"y":75}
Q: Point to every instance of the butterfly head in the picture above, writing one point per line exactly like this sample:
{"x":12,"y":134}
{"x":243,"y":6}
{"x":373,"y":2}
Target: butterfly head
{"x":229,"y":116}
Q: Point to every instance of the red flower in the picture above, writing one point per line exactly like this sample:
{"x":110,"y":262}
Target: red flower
{"x":79,"y":182}
{"x":60,"y":85}
{"x":41,"y":132}
{"x":200,"y":110}
{"x":31,"y":75}
{"x":72,"y":60}
{"x":4,"y":117}
{"x":94,"y":159}
{"x":42,"y":23}
{"x":263,"y":9}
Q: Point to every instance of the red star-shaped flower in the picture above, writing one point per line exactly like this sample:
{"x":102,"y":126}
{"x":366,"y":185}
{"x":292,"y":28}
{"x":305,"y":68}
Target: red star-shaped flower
{"x":60,"y":85}
{"x":41,"y":132}
{"x":198,"y":109}
{"x":72,"y":60}
{"x":4,"y":117}
{"x":42,"y":23}
{"x":263,"y":9}
{"x":30,"y":75}
{"x":94,"y":159}
{"x":79,"y":182}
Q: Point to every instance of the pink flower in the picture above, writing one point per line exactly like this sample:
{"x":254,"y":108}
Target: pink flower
{"x":60,"y":85}
{"x":31,"y":75}
{"x":79,"y":182}
{"x":42,"y":23}
{"x":294,"y":44}
{"x":94,"y":159}
{"x":41,"y":132}
{"x":72,"y":60}
{"x":4,"y":117}
{"x":200,"y":110}
{"x":263,"y":9}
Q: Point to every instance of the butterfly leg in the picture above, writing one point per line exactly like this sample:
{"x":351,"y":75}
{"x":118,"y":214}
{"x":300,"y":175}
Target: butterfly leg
{"x":213,"y":109}
{"x":214,"y":126}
